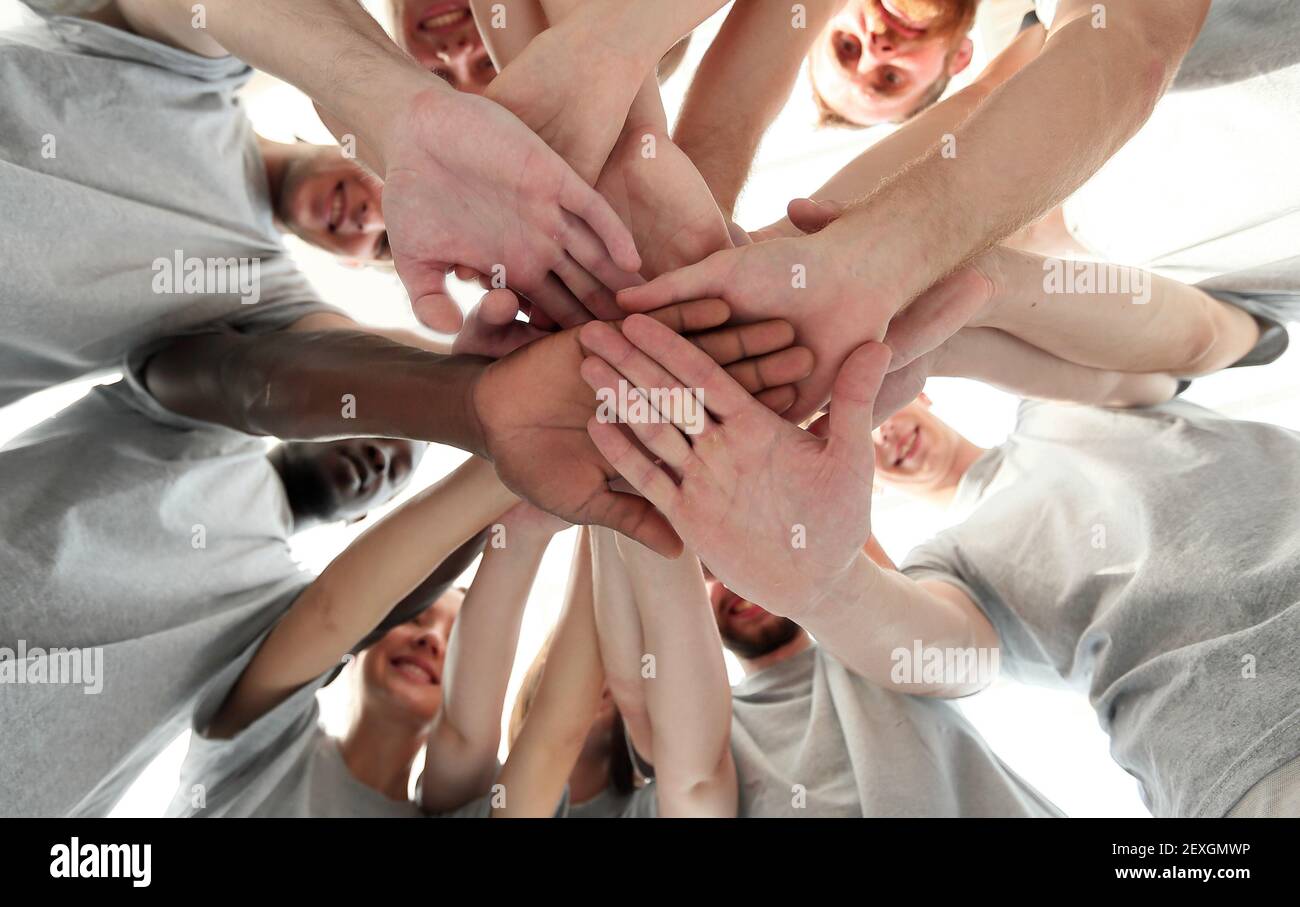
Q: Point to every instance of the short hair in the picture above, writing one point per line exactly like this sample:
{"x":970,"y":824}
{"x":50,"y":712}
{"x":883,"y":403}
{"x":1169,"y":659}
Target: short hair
{"x":828,"y":116}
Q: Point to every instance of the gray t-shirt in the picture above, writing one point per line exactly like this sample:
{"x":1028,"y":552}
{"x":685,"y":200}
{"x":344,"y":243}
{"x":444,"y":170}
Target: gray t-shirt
{"x":1150,"y":559}
{"x":810,"y":738}
{"x":282,"y":765}
{"x":127,"y":168}
{"x":610,"y":804}
{"x":1207,"y":192}
{"x":157,"y":542}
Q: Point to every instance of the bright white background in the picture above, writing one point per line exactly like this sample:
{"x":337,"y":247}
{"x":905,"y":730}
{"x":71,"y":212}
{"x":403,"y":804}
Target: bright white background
{"x":1050,"y":738}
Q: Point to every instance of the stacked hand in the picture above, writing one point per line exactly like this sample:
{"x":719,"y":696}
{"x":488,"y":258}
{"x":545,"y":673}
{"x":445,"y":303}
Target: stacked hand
{"x":662,"y":198}
{"x":467,"y":184}
{"x":779,"y":514}
{"x":533,"y":408}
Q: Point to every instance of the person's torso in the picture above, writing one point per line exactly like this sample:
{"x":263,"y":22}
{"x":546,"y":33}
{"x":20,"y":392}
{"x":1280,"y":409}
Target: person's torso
{"x":1206,"y":191}
{"x":157,"y":552}
{"x":137,"y":200}
{"x":1150,"y":558}
{"x":812,"y":739}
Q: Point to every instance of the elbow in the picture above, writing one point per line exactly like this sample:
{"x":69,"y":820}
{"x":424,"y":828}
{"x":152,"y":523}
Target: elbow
{"x":711,"y":794}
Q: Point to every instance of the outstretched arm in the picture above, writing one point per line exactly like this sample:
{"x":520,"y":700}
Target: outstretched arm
{"x":360,"y":587}
{"x":446,"y":203}
{"x":460,"y":759}
{"x":687,"y":696}
{"x":751,"y":482}
{"x":568,"y":697}
{"x":740,"y":87}
{"x":622,"y":647}
{"x":922,"y":133}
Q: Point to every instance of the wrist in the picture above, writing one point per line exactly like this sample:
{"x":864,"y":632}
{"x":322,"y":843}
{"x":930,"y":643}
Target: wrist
{"x":842,"y":590}
{"x":455,"y":381}
{"x":387,"y":110}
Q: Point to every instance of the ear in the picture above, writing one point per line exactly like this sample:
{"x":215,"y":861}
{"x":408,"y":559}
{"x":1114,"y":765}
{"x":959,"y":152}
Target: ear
{"x":961,"y":56}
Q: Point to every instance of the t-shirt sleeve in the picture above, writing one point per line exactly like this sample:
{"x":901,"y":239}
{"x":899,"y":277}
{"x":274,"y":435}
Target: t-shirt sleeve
{"x":66,"y":7}
{"x":231,"y":775}
{"x":941,"y":559}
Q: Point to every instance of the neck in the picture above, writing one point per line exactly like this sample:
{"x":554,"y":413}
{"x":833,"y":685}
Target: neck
{"x":943,"y":491}
{"x":798,"y":643}
{"x":276,"y":158}
{"x":590,"y":775}
{"x":380,"y":753}
{"x":301,"y":520}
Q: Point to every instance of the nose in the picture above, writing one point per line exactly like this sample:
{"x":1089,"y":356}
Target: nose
{"x":431,"y":639}
{"x":378,"y":457}
{"x":880,"y":49}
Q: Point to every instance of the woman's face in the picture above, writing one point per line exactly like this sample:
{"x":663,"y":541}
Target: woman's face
{"x":443,"y":38}
{"x":402,"y":673}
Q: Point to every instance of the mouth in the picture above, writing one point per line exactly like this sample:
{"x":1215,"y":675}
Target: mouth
{"x":906,"y":27}
{"x":337,"y":203}
{"x":741,"y":611}
{"x":445,"y":18}
{"x":415,"y":670}
{"x":908,"y":447}
{"x":359,"y":468}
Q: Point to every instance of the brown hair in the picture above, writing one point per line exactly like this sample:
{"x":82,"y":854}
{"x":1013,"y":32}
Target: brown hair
{"x":622,"y":775}
{"x":827,"y":116}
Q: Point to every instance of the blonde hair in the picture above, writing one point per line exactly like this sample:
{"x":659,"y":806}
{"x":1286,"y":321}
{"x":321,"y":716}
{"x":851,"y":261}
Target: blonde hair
{"x":528,"y":691}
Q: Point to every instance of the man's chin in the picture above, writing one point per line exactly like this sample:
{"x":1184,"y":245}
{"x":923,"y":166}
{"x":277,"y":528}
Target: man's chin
{"x":761,"y":638}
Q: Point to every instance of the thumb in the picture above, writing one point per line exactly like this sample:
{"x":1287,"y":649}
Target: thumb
{"x":636,"y":518}
{"x":853,"y":400}
{"x":697,"y":281}
{"x":426,"y":284}
{"x":812,"y":216}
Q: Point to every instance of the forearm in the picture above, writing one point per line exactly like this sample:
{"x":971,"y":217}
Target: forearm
{"x":360,"y":586}
{"x":1022,"y":369}
{"x":319,"y":385}
{"x":339,"y":55}
{"x":1109,"y":316}
{"x":957,"y":204}
{"x":867,"y":616}
{"x":741,"y":86}
{"x":618,"y":628}
{"x":568,"y":697}
{"x":688,"y":697}
{"x":524,"y":20}
{"x":645,"y":30}
{"x":460,"y":759}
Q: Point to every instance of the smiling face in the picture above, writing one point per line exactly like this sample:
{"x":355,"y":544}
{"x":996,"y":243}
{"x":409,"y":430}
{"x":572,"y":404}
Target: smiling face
{"x":881,"y":61}
{"x":745,"y":628}
{"x":914,"y":450}
{"x":401,"y":674}
{"x":443,"y":38}
{"x":331,"y":202}
{"x":344,"y":480}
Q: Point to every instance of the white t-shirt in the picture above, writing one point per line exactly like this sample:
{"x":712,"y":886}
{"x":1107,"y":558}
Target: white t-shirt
{"x":1207,"y":191}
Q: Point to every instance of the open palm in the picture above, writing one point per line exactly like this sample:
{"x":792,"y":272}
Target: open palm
{"x":775,"y":511}
{"x":470,"y":185}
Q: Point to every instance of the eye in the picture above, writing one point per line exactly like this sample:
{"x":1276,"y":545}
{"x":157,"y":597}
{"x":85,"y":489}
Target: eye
{"x":847,"y":47}
{"x":445,"y":75}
